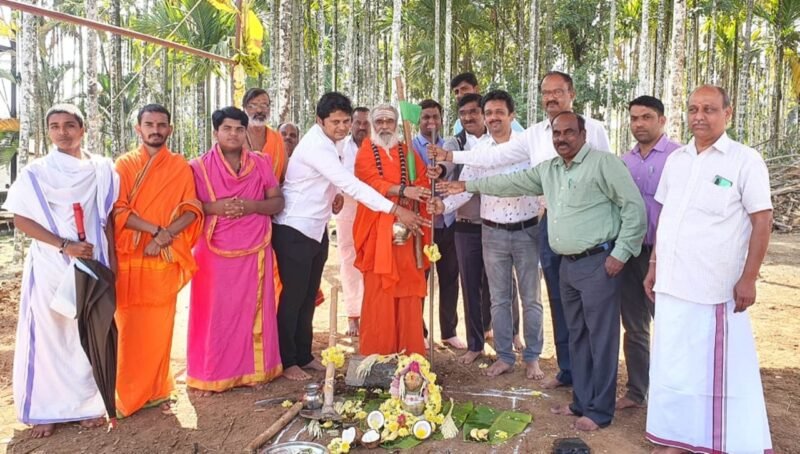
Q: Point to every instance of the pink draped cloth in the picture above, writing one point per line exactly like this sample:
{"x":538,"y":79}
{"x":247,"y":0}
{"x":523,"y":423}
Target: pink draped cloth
{"x":233,"y":332}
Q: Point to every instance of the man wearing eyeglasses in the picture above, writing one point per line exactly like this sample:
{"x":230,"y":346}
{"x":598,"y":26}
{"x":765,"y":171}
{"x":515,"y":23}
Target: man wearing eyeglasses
{"x":536,"y":145}
{"x":260,"y":137}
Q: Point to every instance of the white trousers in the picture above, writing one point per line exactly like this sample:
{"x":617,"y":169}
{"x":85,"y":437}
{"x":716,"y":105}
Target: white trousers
{"x":351,"y":278}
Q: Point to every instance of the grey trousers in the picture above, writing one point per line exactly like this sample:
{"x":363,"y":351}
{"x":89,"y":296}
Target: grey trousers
{"x":637,"y":311}
{"x":591,"y":302}
{"x":504,"y":254}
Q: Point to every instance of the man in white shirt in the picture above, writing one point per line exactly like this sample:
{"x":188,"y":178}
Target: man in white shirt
{"x":350,"y":276}
{"x":300,"y":238}
{"x":466,"y":83}
{"x":536,"y":145}
{"x":713,"y":232}
{"x":510,"y":241}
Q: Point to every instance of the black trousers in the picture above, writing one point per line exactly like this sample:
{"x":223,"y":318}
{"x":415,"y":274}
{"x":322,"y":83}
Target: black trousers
{"x":447,"y":277}
{"x":300,"y":264}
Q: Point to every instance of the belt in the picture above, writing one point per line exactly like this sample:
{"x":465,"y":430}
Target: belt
{"x":469,"y":221}
{"x":608,"y":245}
{"x":512,"y":226}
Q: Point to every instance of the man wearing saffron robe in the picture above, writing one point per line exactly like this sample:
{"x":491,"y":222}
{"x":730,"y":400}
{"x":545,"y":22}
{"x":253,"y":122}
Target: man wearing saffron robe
{"x":391,"y":313}
{"x":260,"y":137}
{"x":314,"y":178}
{"x":157,"y":221}
{"x":233,"y":334}
{"x":53,"y":380}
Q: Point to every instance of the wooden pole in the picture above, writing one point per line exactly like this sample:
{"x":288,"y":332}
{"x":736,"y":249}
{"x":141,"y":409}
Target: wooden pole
{"x":265,"y":436}
{"x":401,"y":96}
{"x":330,"y":371}
{"x":432,"y":275}
{"x":95,"y":25}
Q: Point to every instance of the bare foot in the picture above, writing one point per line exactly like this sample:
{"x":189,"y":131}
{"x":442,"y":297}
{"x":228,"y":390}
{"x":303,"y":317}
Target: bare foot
{"x":488,"y":335}
{"x":199,"y":392}
{"x":456,"y":343}
{"x":314,"y":365}
{"x":92,"y":423}
{"x":296,"y":374}
{"x":586,"y":424}
{"x":518,"y":345}
{"x":166,"y":408}
{"x":497,"y":368}
{"x":533,"y":371}
{"x":352,"y":327}
{"x":42,"y":430}
{"x":469,"y":357}
{"x":625,"y":402}
{"x":562,"y":410}
{"x":552,"y":383}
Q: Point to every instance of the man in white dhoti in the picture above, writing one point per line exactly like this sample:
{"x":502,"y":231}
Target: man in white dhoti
{"x":350,"y":276}
{"x":53,"y":380}
{"x":705,"y":388}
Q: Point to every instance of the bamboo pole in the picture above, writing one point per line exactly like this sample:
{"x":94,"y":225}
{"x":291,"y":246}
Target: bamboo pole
{"x":100,"y":26}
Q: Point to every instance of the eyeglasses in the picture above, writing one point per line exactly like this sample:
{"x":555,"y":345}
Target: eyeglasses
{"x":558,"y":92}
{"x":258,"y":106}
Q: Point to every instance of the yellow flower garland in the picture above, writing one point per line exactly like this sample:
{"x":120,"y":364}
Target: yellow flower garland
{"x":333,"y":355}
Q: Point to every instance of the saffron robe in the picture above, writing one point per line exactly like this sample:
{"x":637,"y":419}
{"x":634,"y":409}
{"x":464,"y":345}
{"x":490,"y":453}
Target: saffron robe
{"x":233,"y":330}
{"x":158,"y":189}
{"x":391,"y":311}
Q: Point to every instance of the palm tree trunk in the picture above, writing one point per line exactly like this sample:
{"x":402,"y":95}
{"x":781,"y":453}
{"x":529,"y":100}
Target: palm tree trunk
{"x":335,"y":45}
{"x":397,"y":12}
{"x":612,"y":28}
{"x":284,"y":71}
{"x":711,"y":70}
{"x":321,"y":48}
{"x":448,"y":60}
{"x":200,"y":108}
{"x":643,"y":76}
{"x":437,"y":50}
{"x":117,"y":120}
{"x":661,"y":49}
{"x":533,"y":63}
{"x":677,"y":67}
{"x":299,"y":97}
{"x":93,"y":122}
{"x":777,"y":92}
{"x":742,"y":91}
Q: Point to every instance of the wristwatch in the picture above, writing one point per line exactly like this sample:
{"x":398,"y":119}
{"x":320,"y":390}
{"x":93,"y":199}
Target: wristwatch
{"x":402,"y":191}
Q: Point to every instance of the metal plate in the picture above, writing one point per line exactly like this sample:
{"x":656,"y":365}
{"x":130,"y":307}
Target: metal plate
{"x":296,"y":447}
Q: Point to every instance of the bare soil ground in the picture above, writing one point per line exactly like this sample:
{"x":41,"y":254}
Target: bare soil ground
{"x":228,"y":421}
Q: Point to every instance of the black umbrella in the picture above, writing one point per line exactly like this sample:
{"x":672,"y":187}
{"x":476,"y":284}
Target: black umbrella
{"x":96,"y":304}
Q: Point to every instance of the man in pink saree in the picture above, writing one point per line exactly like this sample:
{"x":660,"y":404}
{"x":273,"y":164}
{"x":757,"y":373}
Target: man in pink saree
{"x":233,"y":334}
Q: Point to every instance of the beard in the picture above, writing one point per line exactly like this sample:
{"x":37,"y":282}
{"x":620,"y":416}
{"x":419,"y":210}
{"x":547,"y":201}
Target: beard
{"x":258,"y":120}
{"x":385,"y":140}
{"x":155,"y":141}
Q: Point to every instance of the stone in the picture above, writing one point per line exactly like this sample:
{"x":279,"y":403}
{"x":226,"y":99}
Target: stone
{"x":380,"y":376}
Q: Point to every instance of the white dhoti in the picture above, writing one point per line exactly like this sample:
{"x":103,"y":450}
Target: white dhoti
{"x":53,"y":379}
{"x":351,"y":278}
{"x":705,"y":386}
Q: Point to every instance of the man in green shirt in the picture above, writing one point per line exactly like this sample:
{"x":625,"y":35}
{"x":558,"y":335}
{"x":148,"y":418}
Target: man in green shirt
{"x":596,"y":218}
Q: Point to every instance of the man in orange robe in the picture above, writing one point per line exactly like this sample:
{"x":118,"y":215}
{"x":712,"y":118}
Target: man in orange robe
{"x":260,"y":137}
{"x":391,"y":313}
{"x":157,"y":220}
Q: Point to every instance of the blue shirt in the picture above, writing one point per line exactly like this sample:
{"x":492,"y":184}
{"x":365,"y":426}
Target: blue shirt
{"x":420,"y":144}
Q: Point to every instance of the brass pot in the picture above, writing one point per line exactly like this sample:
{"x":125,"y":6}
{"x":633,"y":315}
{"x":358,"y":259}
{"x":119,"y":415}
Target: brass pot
{"x":400,"y":233}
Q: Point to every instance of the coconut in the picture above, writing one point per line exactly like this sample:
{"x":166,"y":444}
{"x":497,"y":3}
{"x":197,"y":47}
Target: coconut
{"x":422,"y":429}
{"x":371,"y":439}
{"x":375,"y":420}
{"x":349,"y":435}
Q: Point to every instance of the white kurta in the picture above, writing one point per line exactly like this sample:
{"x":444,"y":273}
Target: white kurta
{"x":53,"y":380}
{"x":352,"y":280}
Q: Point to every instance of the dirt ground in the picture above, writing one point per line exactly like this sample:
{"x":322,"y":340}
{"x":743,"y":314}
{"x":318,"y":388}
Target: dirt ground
{"x":228,"y":421}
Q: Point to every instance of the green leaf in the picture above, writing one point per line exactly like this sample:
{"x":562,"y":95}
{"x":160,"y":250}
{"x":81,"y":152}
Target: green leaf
{"x":510,"y":422}
{"x":402,"y":443}
{"x":481,"y":418}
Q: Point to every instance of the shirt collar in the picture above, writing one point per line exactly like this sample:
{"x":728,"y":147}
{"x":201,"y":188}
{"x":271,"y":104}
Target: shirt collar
{"x":722,"y":144}
{"x":422,"y":140}
{"x":660,"y":146}
{"x":578,"y":158}
{"x":494,"y":142}
{"x":321,"y":134}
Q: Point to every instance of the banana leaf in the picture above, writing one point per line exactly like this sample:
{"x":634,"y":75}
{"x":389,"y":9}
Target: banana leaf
{"x":481,"y":418}
{"x":510,"y":422}
{"x":460,"y":412}
{"x":402,"y":443}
